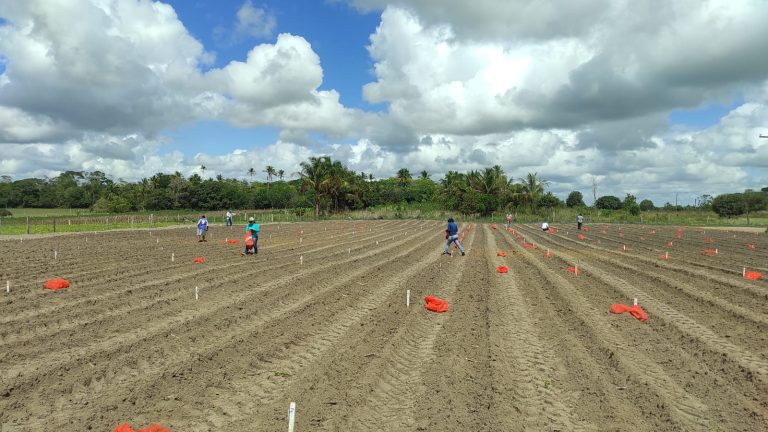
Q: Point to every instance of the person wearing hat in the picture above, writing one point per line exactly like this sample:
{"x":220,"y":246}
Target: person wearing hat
{"x":452,"y":235}
{"x":202,"y":228}
{"x":253,"y":229}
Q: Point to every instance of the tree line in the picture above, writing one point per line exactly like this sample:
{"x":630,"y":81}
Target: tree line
{"x":324,"y":186}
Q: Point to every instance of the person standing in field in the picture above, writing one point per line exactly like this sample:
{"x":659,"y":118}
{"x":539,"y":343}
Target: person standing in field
{"x":545,"y":227}
{"x":579,"y":221}
{"x":509,"y":220}
{"x":229,"y":217}
{"x":253,"y":229}
{"x":452,"y":236}
{"x":202,"y":229}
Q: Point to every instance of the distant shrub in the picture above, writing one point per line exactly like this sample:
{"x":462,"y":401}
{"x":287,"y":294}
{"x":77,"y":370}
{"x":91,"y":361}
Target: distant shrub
{"x":5,"y":212}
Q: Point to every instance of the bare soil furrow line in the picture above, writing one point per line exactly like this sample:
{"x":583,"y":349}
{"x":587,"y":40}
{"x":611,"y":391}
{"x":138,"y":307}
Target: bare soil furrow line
{"x":518,"y":352}
{"x":391,"y":405}
{"x":229,"y":267}
{"x":115,"y":342}
{"x":685,"y":324}
{"x":754,"y":289}
{"x":259,"y":385}
{"x":750,"y":316}
{"x":689,"y":412}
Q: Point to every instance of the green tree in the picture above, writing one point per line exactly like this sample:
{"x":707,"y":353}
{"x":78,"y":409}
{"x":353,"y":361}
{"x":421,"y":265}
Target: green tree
{"x":533,"y":188}
{"x":314,"y":178}
{"x":729,"y":205}
{"x":575,"y":199}
{"x":271,"y":172}
{"x":280,"y":174}
{"x":608,"y":202}
{"x":646,"y":205}
{"x":403,"y":176}
{"x":251,"y":172}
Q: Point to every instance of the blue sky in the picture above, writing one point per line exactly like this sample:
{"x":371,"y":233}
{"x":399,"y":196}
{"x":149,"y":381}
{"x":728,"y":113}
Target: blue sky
{"x":643,"y":101}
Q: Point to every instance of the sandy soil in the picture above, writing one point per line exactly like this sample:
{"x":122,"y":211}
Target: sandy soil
{"x":318,"y":317}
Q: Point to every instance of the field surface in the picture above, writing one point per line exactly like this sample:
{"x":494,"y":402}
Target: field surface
{"x":319,"y":317}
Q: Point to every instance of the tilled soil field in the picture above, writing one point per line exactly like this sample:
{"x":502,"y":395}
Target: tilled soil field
{"x":319,"y":317}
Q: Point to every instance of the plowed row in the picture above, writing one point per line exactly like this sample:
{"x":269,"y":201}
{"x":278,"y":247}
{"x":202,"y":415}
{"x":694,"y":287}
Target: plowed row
{"x":319,"y":317}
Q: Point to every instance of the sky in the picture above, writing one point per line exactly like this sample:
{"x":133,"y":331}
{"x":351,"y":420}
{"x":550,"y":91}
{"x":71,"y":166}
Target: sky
{"x":655,"y":98}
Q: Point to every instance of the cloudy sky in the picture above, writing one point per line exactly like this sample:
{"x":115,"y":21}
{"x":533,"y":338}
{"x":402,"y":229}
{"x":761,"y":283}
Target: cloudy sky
{"x":650,"y":97}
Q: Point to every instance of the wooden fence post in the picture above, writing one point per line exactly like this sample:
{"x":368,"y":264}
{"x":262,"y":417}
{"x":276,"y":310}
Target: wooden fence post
{"x":27,"y":224}
{"x":54,"y":224}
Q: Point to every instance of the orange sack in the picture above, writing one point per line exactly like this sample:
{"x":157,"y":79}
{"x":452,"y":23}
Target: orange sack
{"x":249,"y":240}
{"x":56,"y":284}
{"x":501,"y":254}
{"x":752,"y":275}
{"x":435,"y":304}
{"x":125,"y":427}
{"x":502,"y":269}
{"x":635,"y":311}
{"x":198,"y":260}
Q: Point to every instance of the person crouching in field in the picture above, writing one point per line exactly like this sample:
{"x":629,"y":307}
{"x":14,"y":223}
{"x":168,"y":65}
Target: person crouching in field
{"x":253,"y":229}
{"x":452,"y":236}
{"x":545,"y":227}
{"x":202,"y":228}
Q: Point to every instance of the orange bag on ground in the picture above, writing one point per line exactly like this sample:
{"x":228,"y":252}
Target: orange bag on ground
{"x":501,"y":254}
{"x":581,"y":237}
{"x":435,"y":304}
{"x":56,"y":284}
{"x":126,"y":427}
{"x":198,"y":260}
{"x":752,"y":275}
{"x":232,"y":241}
{"x":635,"y":311}
{"x":502,"y":269}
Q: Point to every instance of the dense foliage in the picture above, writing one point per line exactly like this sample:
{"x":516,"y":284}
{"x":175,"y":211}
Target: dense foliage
{"x":324,"y":186}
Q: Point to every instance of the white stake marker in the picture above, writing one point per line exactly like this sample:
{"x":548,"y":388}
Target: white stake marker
{"x":157,"y":240}
{"x":55,"y":254}
{"x":301,"y":260}
{"x":291,"y":416}
{"x":407,"y":298}
{"x":197,"y":293}
{"x":744,"y":272}
{"x":715,"y":251}
{"x":666,"y":255}
{"x":634,"y":302}
{"x":377,"y":242}
{"x":173,"y":257}
{"x":349,"y":250}
{"x":301,"y":239}
{"x":8,"y":287}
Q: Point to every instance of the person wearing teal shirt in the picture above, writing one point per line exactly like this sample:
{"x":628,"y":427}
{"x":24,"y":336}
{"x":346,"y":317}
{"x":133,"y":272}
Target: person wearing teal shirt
{"x":253,"y":229}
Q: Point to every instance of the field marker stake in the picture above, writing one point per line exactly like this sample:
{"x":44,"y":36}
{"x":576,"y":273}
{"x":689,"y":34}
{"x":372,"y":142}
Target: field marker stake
{"x":666,"y":255}
{"x":407,"y":298}
{"x":157,"y":240}
{"x":55,"y":254}
{"x":744,"y":272}
{"x":150,"y":233}
{"x":715,"y":251}
{"x":8,"y":287}
{"x":291,"y":416}
{"x":349,"y":250}
{"x":576,"y":270}
{"x":301,"y":239}
{"x":301,"y":260}
{"x":197,"y":293}
{"x":377,"y":242}
{"x":634,"y":301}
{"x":173,"y":257}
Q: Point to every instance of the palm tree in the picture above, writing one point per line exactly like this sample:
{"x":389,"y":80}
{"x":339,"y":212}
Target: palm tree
{"x":280,"y":174}
{"x":424,"y":175}
{"x":314,"y":176}
{"x":403,"y":176}
{"x":370,"y":177}
{"x":533,"y":188}
{"x":202,"y":168}
{"x":251,"y":172}
{"x":270,"y":172}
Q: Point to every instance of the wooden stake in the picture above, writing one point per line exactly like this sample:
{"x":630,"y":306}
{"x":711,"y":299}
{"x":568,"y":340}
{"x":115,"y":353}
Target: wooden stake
{"x":407,"y":298}
{"x":635,"y":302}
{"x":7,"y":287}
{"x":197,"y":293}
{"x":744,"y":272}
{"x":291,"y":417}
{"x":55,"y":254}
{"x":173,"y":257}
{"x":301,"y":260}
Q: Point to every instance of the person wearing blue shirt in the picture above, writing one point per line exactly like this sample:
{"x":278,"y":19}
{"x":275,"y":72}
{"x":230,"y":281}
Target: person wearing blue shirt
{"x":452,"y":235}
{"x":253,"y":229}
{"x":202,"y":228}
